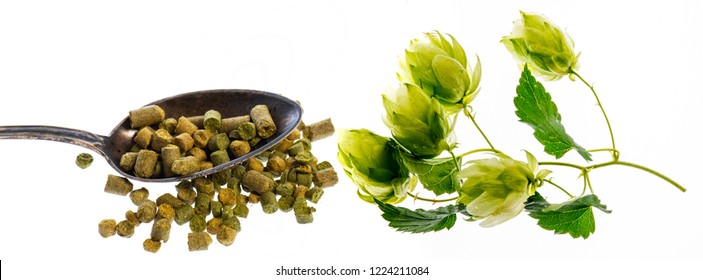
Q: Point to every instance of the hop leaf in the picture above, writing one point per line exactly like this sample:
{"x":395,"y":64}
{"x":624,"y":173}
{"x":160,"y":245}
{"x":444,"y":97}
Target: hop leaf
{"x":574,"y":217}
{"x":420,"y":220}
{"x":536,"y":108}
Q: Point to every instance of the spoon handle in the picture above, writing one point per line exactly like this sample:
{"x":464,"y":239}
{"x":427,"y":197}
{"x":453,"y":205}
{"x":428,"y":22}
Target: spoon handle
{"x":53,"y":133}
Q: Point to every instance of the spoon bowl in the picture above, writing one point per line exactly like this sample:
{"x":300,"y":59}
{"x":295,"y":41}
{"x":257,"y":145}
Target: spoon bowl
{"x":286,"y":115}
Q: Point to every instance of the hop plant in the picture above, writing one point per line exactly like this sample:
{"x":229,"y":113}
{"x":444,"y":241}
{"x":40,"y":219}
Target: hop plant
{"x":417,"y":122}
{"x":496,"y":189}
{"x":544,"y":47}
{"x":373,"y":164}
{"x":441,"y":69}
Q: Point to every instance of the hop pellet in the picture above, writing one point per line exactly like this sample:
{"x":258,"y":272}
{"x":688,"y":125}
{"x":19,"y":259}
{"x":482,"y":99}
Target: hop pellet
{"x":83,"y":160}
{"x":285,"y":177}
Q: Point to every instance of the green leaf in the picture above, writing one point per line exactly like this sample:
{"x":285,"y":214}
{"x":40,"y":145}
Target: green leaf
{"x":536,"y":108}
{"x":420,"y":220}
{"x":437,"y":174}
{"x":574,"y":217}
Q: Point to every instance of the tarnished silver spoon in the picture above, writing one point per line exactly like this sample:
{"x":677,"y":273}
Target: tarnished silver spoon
{"x":286,"y":114}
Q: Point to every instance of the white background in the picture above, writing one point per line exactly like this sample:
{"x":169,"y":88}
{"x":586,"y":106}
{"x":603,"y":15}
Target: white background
{"x":83,"y":65}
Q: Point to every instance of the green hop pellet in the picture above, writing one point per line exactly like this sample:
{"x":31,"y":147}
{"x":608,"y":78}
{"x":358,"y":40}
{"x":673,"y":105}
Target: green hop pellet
{"x":239,"y":148}
{"x":169,"y":155}
{"x":199,"y":241}
{"x":183,"y":214}
{"x":257,"y":182}
{"x":228,"y":125}
{"x":213,"y":226}
{"x":325,"y":178}
{"x":202,"y":204}
{"x":218,"y":141}
{"x":294,"y":135}
{"x":184,"y":142}
{"x":124,"y":229}
{"x":300,"y":191}
{"x":283,"y":146}
{"x":324,"y":165}
{"x":303,"y":213}
{"x":107,"y":228}
{"x":204,"y":165}
{"x":233,"y":183}
{"x":255,"y":164}
{"x":132,"y":218}
{"x":216,"y":208}
{"x":197,"y":223}
{"x":128,"y":160}
{"x":146,"y":115}
{"x":220,"y":157}
{"x":204,"y":185}
{"x":304,"y":157}
{"x":246,"y":131}
{"x":226,"y":235}
{"x":306,"y":169}
{"x":169,"y":124}
{"x":296,"y":149}
{"x":160,"y":139}
{"x":169,"y":199}
{"x":319,"y":130}
{"x":118,"y":185}
{"x":285,"y":203}
{"x":144,"y":136}
{"x":232,"y":222}
{"x":139,"y":195}
{"x":268,"y":203}
{"x":185,"y":166}
{"x":227,"y":212}
{"x":227,"y":196}
{"x":201,"y":138}
{"x":304,"y":179}
{"x":151,"y":246}
{"x":261,"y":117}
{"x":241,"y":210}
{"x":198,"y":153}
{"x":146,"y":212}
{"x":161,"y":229}
{"x":314,"y":194}
{"x":145,"y":164}
{"x":186,"y":193}
{"x":238,"y":171}
{"x":83,"y":160}
{"x":166,"y":211}
{"x":307,"y":145}
{"x":184,"y":125}
{"x":212,"y":120}
{"x":276,"y":164}
{"x":285,"y":189}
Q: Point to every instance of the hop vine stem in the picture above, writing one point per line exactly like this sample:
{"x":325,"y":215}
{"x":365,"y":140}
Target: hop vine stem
{"x":587,"y":169}
{"x":467,"y":112}
{"x":614,"y":151}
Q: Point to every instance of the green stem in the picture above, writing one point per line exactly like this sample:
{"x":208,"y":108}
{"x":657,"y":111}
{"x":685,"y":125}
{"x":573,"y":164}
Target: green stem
{"x":586,"y":169}
{"x":432,"y":200}
{"x":480,"y":150}
{"x":456,"y":160}
{"x":473,"y":120}
{"x":556,"y":163}
{"x":559,"y":187}
{"x":643,"y":168}
{"x":607,"y":121}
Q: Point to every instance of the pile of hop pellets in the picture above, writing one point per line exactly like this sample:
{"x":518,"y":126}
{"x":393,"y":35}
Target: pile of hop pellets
{"x":283,"y":178}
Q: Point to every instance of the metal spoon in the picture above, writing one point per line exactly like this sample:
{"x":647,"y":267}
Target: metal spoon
{"x":229,"y":102}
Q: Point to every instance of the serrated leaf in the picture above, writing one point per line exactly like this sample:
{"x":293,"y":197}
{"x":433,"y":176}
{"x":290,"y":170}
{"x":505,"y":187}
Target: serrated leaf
{"x":574,"y":217}
{"x":437,"y":174}
{"x":536,"y":108}
{"x":419,"y":220}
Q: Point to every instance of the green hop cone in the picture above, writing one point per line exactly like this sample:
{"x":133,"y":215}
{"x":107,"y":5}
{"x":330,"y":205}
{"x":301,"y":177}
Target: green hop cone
{"x":440,"y":68}
{"x":547,"y":50}
{"x":373,"y":164}
{"x":418,"y":122}
{"x":496,"y":189}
